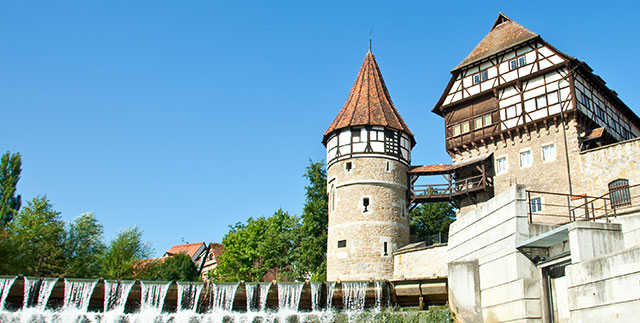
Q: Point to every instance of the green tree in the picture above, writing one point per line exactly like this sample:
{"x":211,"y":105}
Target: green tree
{"x":123,"y":253}
{"x":37,"y":236}
{"x":311,"y":247}
{"x":84,"y":248}
{"x":178,"y":267}
{"x":254,"y":248}
{"x":429,"y":219}
{"x":10,"y":168}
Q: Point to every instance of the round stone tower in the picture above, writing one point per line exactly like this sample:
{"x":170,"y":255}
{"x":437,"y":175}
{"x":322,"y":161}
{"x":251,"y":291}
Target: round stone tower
{"x":368,"y":156}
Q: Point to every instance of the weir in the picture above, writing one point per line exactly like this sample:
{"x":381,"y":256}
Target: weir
{"x":61,"y":300}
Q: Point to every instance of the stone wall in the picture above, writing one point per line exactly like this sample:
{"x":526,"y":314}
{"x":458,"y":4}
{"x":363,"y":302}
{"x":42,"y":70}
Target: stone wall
{"x":383,"y":182}
{"x":602,"y":165}
{"x":548,"y":176}
{"x":420,"y":262}
{"x":482,"y":257}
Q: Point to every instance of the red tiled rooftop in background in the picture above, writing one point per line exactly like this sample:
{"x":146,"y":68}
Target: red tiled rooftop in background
{"x":505,"y":34}
{"x":216,"y":249}
{"x":369,"y":103}
{"x":188,"y":249}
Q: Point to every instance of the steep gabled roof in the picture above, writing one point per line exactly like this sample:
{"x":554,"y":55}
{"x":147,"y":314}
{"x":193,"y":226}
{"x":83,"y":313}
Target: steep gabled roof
{"x":504,"y":34}
{"x":369,"y":103}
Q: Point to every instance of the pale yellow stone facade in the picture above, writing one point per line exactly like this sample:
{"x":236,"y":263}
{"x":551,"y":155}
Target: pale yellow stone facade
{"x":357,"y":238}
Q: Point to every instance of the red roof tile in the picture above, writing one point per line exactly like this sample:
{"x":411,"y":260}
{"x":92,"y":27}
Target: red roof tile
{"x":504,"y":34}
{"x":369,"y":103}
{"x":189,"y":249}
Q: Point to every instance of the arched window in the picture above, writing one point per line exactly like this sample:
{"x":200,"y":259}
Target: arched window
{"x":619,"y":193}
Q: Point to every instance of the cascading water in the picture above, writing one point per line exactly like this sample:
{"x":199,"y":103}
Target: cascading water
{"x":186,"y":300}
{"x":116,"y":293}
{"x":77,"y":293}
{"x":189,"y":295}
{"x":330,"y":289}
{"x":250,"y":292}
{"x":353,"y":295}
{"x":316,"y":294}
{"x":264,"y":293}
{"x":5,"y":286}
{"x":223,"y":295}
{"x":289,"y":296}
{"x":37,"y":291}
{"x":153,"y":295}
{"x":380,"y":288}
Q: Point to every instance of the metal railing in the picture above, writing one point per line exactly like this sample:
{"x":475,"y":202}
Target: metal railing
{"x":560,"y":208}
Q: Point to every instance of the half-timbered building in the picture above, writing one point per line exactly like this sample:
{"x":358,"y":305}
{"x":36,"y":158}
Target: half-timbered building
{"x":528,"y":111}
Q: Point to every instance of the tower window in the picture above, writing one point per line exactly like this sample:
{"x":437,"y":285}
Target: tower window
{"x":365,"y":203}
{"x":355,"y":135}
{"x":342,"y":243}
{"x":348,"y":166}
{"x":388,"y":169}
{"x":384,"y":249}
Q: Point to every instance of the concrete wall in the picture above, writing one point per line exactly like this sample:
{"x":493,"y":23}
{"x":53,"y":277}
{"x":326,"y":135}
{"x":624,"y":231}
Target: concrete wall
{"x":605,"y":289}
{"x":421,"y":262}
{"x":482,"y":257}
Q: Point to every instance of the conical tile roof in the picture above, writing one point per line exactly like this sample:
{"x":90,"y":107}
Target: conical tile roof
{"x":504,"y":34}
{"x":369,"y":103}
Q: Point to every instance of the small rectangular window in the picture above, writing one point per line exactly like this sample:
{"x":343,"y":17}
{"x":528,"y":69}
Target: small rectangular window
{"x":477,"y":124}
{"x":522,"y":61}
{"x":456,"y":130}
{"x":342,"y":243}
{"x":384,"y":249}
{"x":365,"y":204}
{"x":501,"y":165}
{"x":484,"y":76}
{"x":476,"y":79}
{"x":549,"y":152}
{"x":487,"y":119}
{"x":552,"y":98}
{"x":465,"y":127}
{"x":513,"y":64}
{"x":511,"y":112}
{"x":600,"y":112}
{"x":535,"y":205}
{"x":541,"y":101}
{"x":355,"y":135}
{"x":525,"y":159}
{"x":348,"y":166}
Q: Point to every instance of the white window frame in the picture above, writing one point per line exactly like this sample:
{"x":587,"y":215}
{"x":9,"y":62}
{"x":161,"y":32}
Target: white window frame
{"x":521,"y":153}
{"x":506,"y":164}
{"x":539,"y":198}
{"x":555,"y":153}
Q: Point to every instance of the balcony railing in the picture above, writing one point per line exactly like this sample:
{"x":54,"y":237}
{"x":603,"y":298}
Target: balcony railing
{"x":447,"y":191}
{"x":562,"y":208}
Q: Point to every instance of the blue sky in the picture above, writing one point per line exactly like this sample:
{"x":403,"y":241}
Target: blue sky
{"x":184,"y":117}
